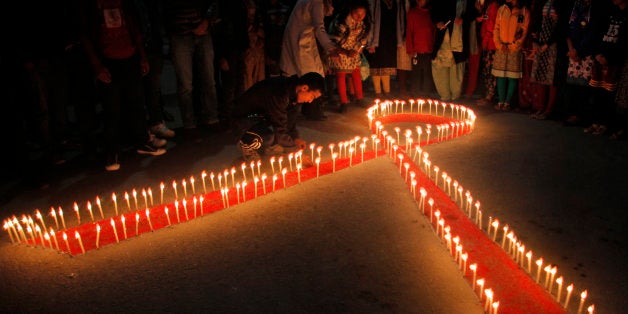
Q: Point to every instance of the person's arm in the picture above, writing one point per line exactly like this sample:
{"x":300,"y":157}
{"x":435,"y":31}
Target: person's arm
{"x":518,"y":42}
{"x":318,"y":21}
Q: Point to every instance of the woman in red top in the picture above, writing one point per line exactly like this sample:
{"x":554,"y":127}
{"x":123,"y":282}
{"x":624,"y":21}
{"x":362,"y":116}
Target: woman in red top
{"x":419,"y":44}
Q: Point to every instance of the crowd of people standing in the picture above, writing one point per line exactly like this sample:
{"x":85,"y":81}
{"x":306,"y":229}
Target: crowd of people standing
{"x":98,"y":63}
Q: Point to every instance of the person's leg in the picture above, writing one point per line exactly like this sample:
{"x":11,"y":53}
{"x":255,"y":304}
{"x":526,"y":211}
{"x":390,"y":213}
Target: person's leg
{"x":357,"y":84}
{"x":472,"y":75}
{"x":377,"y":85}
{"x":205,"y":66}
{"x":441,"y":80}
{"x":402,"y":81}
{"x":501,"y":92}
{"x":182,"y":55}
{"x":510,"y":92}
{"x":386,"y":85}
{"x":341,"y":83}
{"x":425,"y":75}
{"x":456,"y":77}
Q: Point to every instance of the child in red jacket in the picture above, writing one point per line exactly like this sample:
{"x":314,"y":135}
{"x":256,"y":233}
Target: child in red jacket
{"x":419,"y":43}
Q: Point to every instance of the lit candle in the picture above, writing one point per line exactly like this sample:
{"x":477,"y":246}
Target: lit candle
{"x":569,"y":290}
{"x":333,"y":157}
{"x":211,"y":177}
{"x":298,"y":174}
{"x":195,"y":201}
{"x":252,"y":168}
{"x":280,"y":162}
{"x":480,"y":283}
{"x":203,"y":176}
{"x":161,"y":187}
{"x":233,"y":172}
{"x":54,"y":237}
{"x":145,"y":198}
{"x":174,"y":187}
{"x":583,"y":297}
{"x":283,"y":175}
{"x":351,"y":156}
{"x":464,"y":257}
{"x":78,"y":237}
{"x":176,"y":209}
{"x":123,"y":219}
{"x":114,"y":198}
{"x":318,"y":162}
{"x":41,"y":235}
{"x":150,"y":224}
{"x":40,"y":218}
{"x":137,"y":223}
{"x":553,"y":273}
{"x":504,"y":235}
{"x":312,"y":146}
{"x":227,"y":196}
{"x":495,"y":307}
{"x":102,"y":216}
{"x":256,"y":181}
{"x":192,"y":181}
{"x":62,"y":219}
{"x":244,"y":184}
{"x":128,"y":202}
{"x":274,"y":181}
{"x":97,"y":235}
{"x":591,"y":308}
{"x":319,"y":149}
{"x":89,"y":209}
{"x":54,"y":215}
{"x":547,"y":270}
{"x":539,"y":264}
{"x":76,"y":210}
{"x":167,"y":215}
{"x":185,"y":209}
{"x":474,"y":268}
{"x":489,"y":299}
{"x":115,"y":232}
{"x":201,"y":199}
{"x":134,"y":193}
{"x":272,"y":163}
{"x":559,"y":281}
{"x":67,"y":244}
{"x":238,"y":192}
{"x":529,"y":257}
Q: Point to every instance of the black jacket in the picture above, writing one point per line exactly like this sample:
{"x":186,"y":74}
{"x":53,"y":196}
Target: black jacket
{"x":275,"y":100}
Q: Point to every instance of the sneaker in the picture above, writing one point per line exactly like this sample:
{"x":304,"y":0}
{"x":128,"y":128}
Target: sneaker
{"x":156,"y":142}
{"x":160,"y":130}
{"x":112,"y":163}
{"x":249,"y":154}
{"x":149,"y":149}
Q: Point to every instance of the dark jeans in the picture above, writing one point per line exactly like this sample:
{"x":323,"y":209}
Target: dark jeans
{"x":124,"y":114}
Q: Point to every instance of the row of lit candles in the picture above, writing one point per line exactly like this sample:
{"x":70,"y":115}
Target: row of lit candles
{"x":516,"y":249}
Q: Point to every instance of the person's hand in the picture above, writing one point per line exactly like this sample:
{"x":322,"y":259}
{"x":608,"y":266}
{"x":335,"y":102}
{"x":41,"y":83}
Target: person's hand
{"x":573,"y":55}
{"x":223,"y":64}
{"x":103,"y":75}
{"x":201,"y":29}
{"x":300,"y":143}
{"x":144,"y":66}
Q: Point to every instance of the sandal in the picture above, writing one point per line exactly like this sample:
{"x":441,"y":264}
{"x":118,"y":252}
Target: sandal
{"x":600,"y":130}
{"x":592,"y":128}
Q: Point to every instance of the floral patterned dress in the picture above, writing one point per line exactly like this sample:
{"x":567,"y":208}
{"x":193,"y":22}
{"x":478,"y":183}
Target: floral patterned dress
{"x":349,"y":35}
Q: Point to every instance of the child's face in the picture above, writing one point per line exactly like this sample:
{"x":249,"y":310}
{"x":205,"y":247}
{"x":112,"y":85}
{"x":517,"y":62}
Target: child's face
{"x":358,"y":14}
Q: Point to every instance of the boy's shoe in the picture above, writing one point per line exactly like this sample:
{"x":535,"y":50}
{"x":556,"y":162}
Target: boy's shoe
{"x":112,"y":163}
{"x":156,"y":142}
{"x":248,"y":153}
{"x":150,"y":149}
{"x":162,"y":131}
